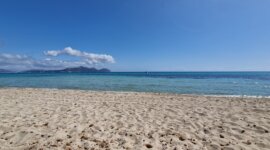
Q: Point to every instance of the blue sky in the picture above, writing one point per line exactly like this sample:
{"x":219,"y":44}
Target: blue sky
{"x":139,"y":35}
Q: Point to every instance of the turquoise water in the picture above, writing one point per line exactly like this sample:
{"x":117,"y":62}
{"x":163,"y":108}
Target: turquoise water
{"x":209,"y":83}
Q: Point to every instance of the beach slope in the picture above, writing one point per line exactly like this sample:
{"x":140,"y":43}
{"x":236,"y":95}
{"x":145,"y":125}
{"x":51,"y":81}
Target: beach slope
{"x":75,"y":119}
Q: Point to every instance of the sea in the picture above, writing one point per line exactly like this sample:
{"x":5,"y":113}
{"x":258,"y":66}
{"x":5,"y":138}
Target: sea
{"x":200,"y":83}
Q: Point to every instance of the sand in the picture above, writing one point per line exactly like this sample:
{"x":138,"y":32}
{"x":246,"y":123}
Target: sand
{"x":74,"y":119}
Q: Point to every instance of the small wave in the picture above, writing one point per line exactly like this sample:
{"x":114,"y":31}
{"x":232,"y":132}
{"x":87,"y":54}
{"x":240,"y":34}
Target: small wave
{"x":239,"y":96}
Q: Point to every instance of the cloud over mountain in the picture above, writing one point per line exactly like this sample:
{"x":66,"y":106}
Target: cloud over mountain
{"x":23,"y":62}
{"x":88,"y":57}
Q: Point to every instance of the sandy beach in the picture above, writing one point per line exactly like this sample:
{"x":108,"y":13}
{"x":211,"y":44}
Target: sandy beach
{"x":75,"y":119}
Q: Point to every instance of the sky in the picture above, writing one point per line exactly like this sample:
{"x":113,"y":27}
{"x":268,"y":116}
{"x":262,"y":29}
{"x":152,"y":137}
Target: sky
{"x":136,"y":35}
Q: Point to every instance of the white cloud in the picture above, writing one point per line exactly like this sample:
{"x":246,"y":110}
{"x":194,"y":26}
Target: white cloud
{"x":90,"y":58}
{"x":23,"y":62}
{"x":16,"y":62}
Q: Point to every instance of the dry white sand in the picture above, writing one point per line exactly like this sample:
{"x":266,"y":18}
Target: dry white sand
{"x":73,"y":119}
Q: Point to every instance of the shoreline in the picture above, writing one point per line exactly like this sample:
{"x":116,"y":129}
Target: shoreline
{"x":159,"y":93}
{"x":78,"y":119}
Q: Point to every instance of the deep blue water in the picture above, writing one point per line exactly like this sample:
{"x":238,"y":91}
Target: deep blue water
{"x":209,"y":83}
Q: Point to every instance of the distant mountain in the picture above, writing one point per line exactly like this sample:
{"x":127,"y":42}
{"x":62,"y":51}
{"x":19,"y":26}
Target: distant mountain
{"x":104,"y":70}
{"x":80,"y":69}
{"x":5,"y":71}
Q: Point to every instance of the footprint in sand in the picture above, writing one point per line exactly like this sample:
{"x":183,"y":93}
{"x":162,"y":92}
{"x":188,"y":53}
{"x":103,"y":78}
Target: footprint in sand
{"x":83,"y":116}
{"x":19,"y":138}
